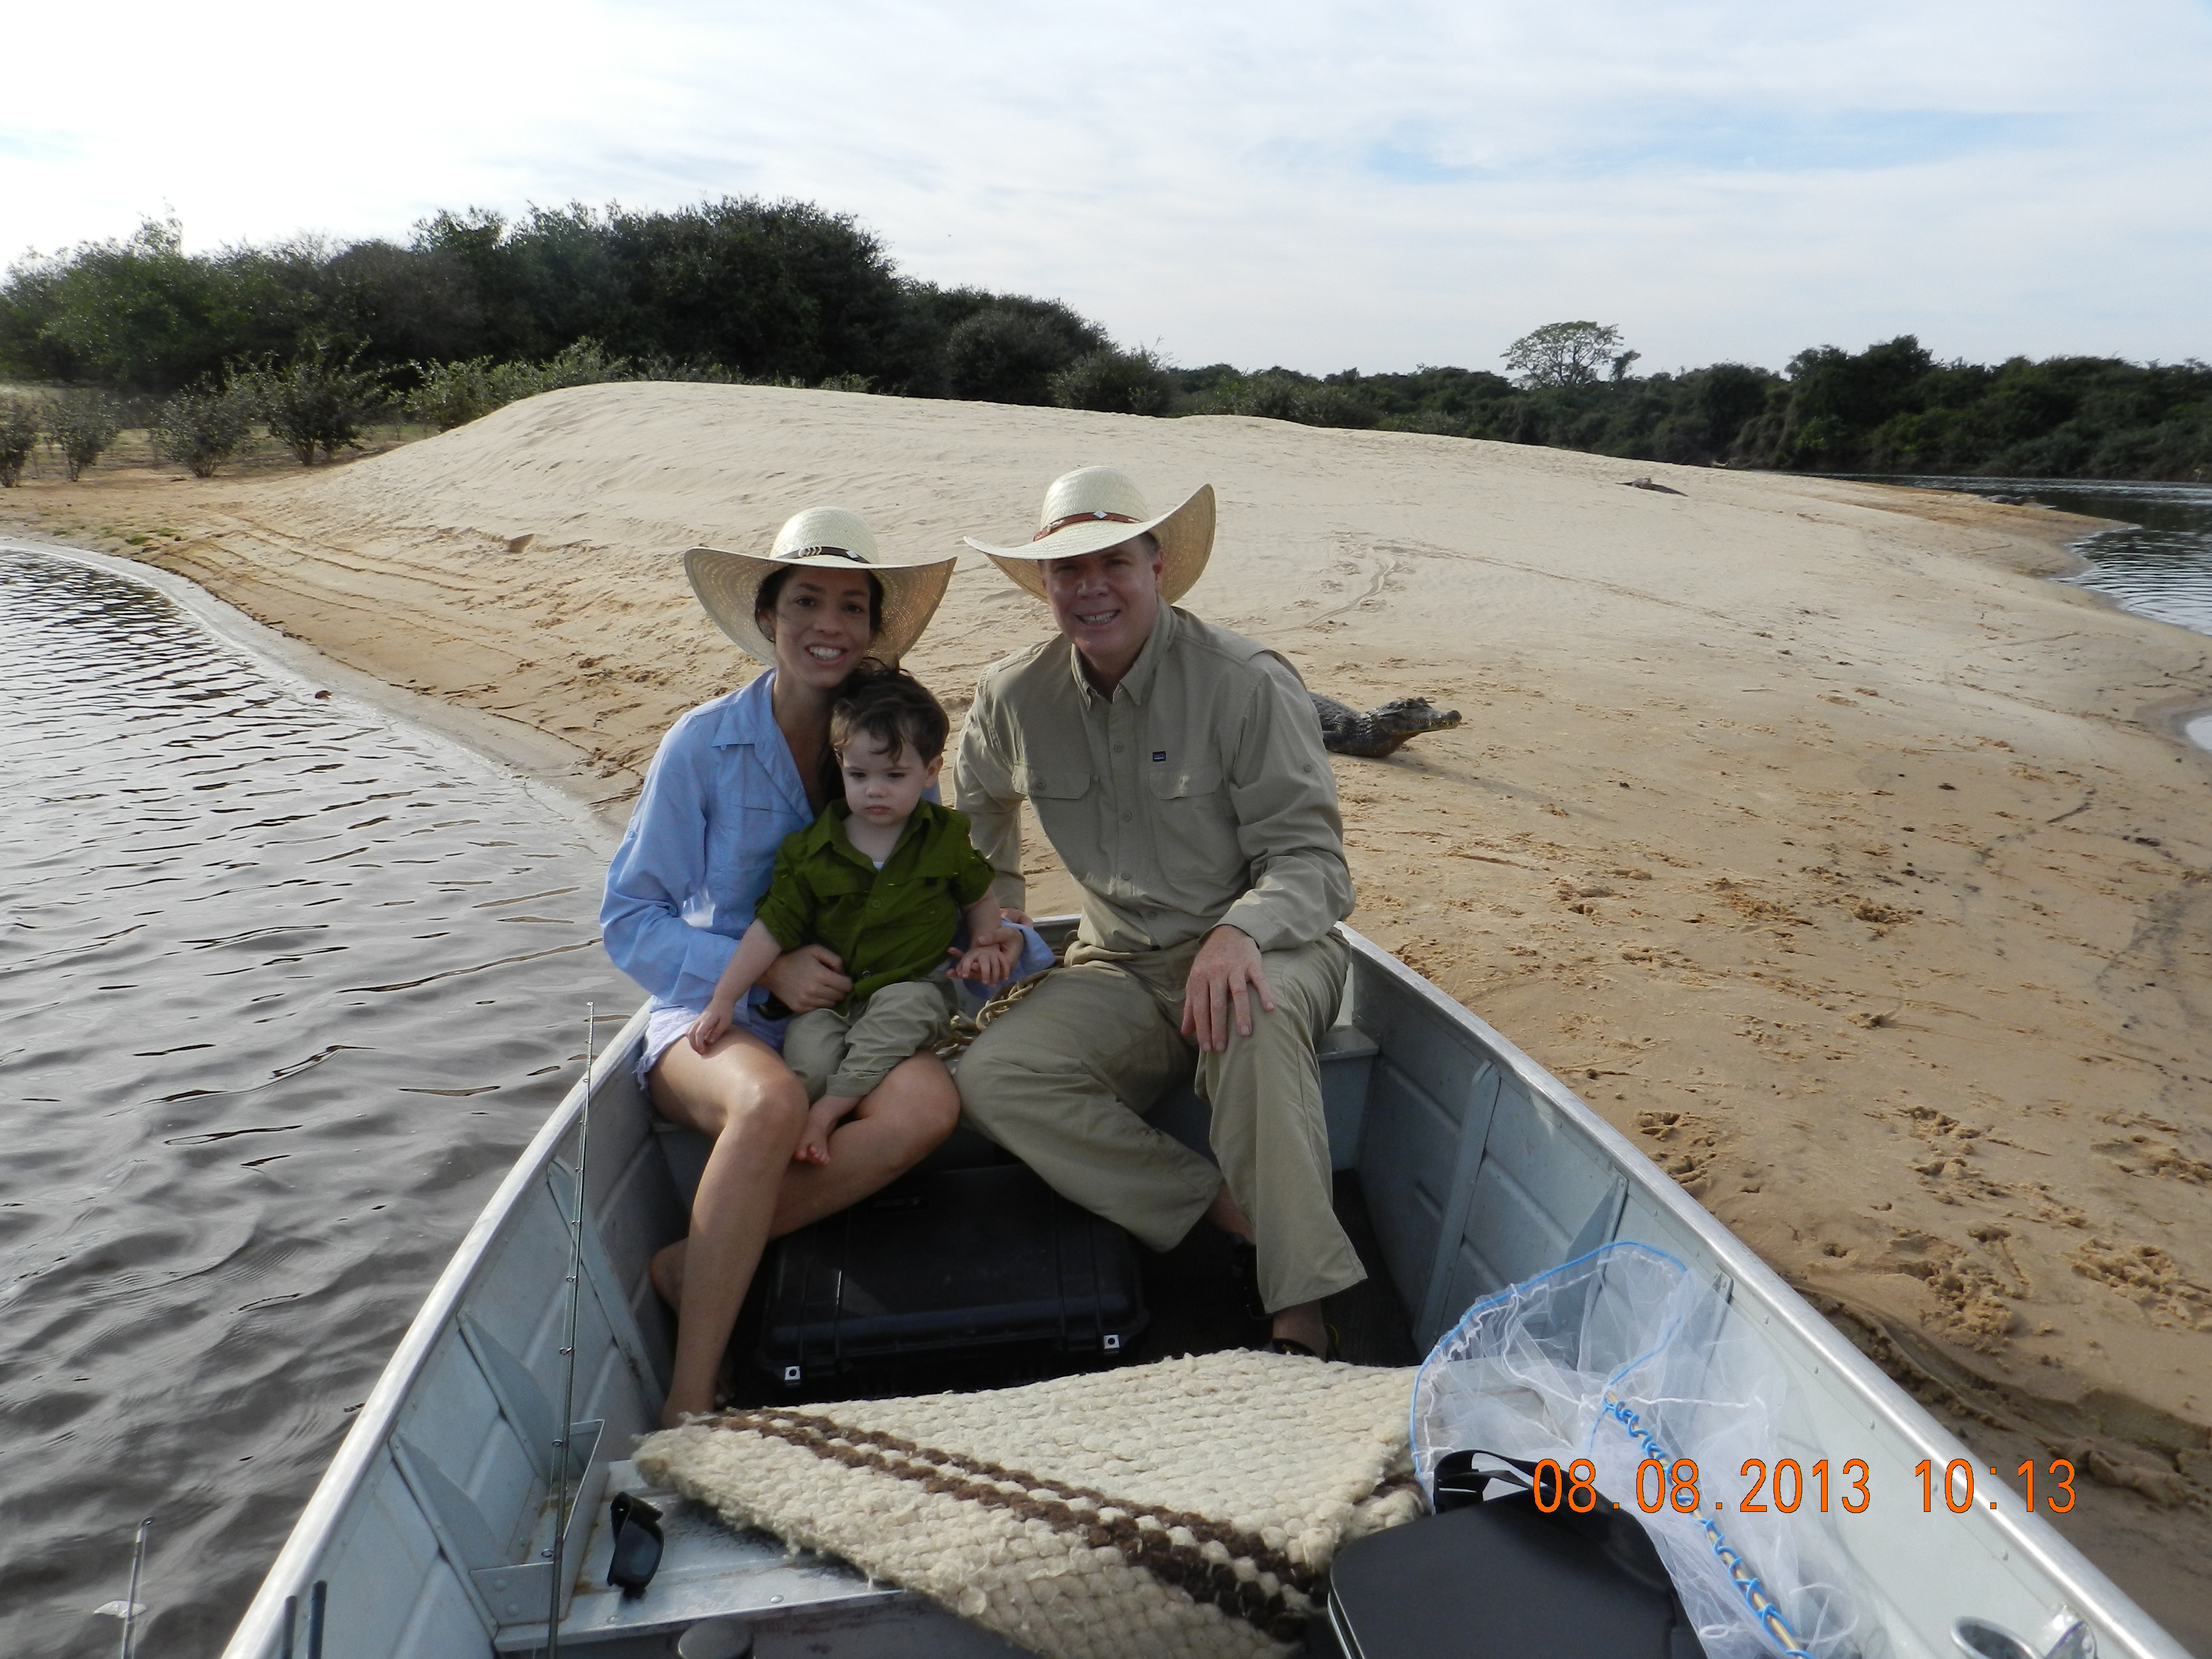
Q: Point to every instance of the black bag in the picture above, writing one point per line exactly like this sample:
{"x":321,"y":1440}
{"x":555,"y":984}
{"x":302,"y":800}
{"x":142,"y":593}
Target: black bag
{"x":945,"y":1265}
{"x":1501,"y":1579}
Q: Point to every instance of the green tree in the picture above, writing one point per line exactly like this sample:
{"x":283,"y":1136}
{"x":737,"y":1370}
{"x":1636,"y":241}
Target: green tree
{"x":1566,"y":354}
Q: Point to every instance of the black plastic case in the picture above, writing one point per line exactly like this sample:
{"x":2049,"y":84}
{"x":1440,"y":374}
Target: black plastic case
{"x":1499,"y":1580}
{"x":948,"y":1265}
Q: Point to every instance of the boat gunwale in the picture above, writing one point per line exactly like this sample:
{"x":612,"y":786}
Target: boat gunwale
{"x":2083,"y":1585}
{"x":2087,"y":1589}
{"x":373,"y":1424}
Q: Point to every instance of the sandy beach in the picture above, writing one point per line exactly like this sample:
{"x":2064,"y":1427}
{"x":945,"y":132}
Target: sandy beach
{"x":1854,"y":870}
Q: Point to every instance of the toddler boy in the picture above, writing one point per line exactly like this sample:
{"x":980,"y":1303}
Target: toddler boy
{"x":882,"y":878}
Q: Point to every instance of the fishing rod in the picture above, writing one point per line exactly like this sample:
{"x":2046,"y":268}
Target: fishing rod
{"x":568,"y":1387}
{"x":130,"y":1607}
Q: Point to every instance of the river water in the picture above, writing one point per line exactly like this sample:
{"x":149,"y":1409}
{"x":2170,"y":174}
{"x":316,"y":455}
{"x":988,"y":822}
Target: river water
{"x":284,"y":987}
{"x":2158,"y":563}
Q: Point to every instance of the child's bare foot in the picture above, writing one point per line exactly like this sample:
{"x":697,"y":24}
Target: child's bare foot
{"x":821,"y":1117}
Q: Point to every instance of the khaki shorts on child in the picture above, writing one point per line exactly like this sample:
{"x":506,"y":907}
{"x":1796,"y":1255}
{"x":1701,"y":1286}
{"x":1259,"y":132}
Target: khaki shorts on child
{"x":849,"y":1053}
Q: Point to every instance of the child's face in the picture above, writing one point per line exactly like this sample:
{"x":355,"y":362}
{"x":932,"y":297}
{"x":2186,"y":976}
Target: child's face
{"x":882,"y":787}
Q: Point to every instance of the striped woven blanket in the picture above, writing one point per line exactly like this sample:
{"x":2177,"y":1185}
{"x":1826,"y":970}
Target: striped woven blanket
{"x":1187,"y":1508}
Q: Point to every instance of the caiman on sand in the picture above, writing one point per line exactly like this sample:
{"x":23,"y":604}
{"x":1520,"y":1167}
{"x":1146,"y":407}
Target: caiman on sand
{"x":1381,"y":730}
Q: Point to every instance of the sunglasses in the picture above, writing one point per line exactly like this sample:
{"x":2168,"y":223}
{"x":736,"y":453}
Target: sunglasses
{"x":637,"y":1543}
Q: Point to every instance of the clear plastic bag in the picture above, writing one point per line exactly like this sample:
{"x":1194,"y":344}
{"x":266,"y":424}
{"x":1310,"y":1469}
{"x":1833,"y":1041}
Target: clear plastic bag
{"x":1625,"y":1358}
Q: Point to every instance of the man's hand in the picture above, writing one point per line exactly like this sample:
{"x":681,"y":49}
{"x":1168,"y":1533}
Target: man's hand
{"x":1226,"y":973}
{"x":808,"y":978}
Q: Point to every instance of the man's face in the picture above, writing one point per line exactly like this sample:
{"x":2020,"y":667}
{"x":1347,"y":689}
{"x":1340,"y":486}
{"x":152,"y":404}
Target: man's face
{"x":1107,"y":602}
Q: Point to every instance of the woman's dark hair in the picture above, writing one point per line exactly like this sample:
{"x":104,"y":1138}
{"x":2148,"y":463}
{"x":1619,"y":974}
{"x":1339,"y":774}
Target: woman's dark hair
{"x":892,"y":706}
{"x":771,"y":590}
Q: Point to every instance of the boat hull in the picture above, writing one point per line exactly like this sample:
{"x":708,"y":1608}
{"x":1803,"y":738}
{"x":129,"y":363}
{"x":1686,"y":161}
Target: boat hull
{"x":1479,"y":1168}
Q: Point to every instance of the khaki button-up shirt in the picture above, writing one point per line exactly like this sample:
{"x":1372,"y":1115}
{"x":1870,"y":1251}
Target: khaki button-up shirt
{"x":1197,"y":793}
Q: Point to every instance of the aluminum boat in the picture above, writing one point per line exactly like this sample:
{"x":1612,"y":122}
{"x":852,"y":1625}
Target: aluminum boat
{"x":430,"y":1535}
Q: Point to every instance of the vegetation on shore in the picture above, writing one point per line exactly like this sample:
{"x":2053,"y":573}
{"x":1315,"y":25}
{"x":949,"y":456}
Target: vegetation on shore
{"x":314,"y":338}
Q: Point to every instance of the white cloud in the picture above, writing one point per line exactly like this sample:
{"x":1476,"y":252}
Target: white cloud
{"x":1316,"y":185}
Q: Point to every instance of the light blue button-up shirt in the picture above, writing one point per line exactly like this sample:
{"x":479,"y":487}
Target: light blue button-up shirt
{"x":719,"y":800}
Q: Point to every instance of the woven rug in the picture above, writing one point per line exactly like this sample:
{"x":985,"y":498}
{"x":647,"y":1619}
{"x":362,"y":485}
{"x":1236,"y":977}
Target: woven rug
{"x":1187,"y":1508}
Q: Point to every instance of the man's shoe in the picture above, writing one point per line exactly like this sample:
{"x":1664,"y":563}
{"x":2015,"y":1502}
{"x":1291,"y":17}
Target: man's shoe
{"x":1244,"y":1267}
{"x":1291,"y":1344}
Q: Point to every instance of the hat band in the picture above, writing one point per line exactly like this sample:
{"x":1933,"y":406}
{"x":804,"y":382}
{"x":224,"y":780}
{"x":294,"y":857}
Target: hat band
{"x":1058,"y":524}
{"x":794,"y":553}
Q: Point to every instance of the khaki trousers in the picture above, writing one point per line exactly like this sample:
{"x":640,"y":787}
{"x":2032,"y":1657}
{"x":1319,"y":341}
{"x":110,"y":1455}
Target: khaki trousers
{"x":835,"y":1054}
{"x":1064,"y":1079}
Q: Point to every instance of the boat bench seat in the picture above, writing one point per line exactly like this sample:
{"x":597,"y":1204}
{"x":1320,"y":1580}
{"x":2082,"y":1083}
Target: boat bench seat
{"x":1346,"y":1056}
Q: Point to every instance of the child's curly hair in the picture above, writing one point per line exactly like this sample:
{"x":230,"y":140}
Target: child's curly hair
{"x":894,"y":709}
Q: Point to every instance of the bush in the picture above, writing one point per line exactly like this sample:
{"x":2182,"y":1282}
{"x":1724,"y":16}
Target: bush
{"x":1117,"y":382}
{"x":200,"y":430}
{"x":315,"y":401}
{"x":1008,"y":352}
{"x":81,"y":425}
{"x":1264,"y":396}
{"x":453,"y":394}
{"x":1281,"y":395}
{"x":20,"y":427}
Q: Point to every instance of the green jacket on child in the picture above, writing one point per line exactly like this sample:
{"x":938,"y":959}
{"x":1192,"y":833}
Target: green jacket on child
{"x":887,"y":924}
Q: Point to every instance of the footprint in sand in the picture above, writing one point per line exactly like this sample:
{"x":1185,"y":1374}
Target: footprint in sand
{"x":2150,"y":1278}
{"x":1691,"y":1144}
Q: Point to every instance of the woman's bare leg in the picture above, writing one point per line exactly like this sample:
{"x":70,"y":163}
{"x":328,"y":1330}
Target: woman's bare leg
{"x":908,"y":1113}
{"x":741,"y":1094}
{"x":898,"y":1125}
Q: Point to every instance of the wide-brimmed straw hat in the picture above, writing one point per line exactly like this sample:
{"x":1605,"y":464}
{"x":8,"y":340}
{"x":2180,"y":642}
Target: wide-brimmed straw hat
{"x":824,"y":537}
{"x":1096,"y":507}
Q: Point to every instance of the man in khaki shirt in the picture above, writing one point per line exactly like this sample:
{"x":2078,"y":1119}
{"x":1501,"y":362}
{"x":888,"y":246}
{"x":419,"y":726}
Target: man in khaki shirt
{"x":1177,"y":770}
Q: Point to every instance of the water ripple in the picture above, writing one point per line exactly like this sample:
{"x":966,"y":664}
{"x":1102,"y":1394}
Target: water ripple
{"x":284,"y":988}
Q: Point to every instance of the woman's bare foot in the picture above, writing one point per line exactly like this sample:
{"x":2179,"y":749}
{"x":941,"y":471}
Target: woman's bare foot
{"x":673,"y":1413}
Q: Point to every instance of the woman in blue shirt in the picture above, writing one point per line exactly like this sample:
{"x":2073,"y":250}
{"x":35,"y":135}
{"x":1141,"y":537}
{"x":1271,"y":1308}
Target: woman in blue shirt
{"x":732,"y":778}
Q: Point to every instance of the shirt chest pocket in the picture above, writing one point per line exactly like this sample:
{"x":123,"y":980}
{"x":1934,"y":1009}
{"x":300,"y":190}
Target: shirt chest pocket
{"x":1189,"y":785}
{"x":1053,"y":783}
{"x":1191,"y":807}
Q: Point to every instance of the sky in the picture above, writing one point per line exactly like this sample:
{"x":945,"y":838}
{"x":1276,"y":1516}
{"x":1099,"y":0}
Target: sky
{"x":1319,"y":185}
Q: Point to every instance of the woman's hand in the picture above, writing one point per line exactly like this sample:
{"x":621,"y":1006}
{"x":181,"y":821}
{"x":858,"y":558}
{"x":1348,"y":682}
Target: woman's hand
{"x":808,"y":978}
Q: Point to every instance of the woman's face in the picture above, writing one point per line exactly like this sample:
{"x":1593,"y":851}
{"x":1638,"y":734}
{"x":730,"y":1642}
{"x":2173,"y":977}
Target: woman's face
{"x":820,"y":625}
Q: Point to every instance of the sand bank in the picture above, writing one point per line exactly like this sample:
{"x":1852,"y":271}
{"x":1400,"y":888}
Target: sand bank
{"x":1854,"y":872}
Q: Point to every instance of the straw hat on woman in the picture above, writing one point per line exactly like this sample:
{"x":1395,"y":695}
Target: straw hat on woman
{"x":732,"y":779}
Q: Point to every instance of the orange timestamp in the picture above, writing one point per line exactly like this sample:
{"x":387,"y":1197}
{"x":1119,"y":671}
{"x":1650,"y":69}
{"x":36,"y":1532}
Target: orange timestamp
{"x":1786,"y":1486}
